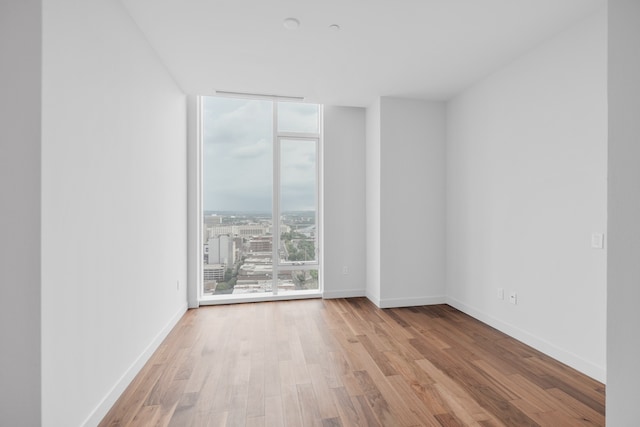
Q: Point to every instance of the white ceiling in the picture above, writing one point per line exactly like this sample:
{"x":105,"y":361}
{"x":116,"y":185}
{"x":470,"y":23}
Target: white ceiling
{"x":410,"y":48}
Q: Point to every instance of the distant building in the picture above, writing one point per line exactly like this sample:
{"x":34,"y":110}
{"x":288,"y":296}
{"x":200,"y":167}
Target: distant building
{"x":251,"y":230}
{"x":220,"y":250}
{"x":219,"y":230}
{"x":308,"y":231}
{"x":261,"y":286}
{"x":237,"y":230}
{"x":211,"y":220}
{"x":260,"y":244}
{"x":213,"y":272}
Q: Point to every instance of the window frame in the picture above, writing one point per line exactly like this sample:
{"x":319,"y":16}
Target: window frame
{"x":278,"y":265}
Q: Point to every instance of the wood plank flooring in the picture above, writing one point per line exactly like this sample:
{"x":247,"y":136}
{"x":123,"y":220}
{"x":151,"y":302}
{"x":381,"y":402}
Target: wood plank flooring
{"x":347,"y":363}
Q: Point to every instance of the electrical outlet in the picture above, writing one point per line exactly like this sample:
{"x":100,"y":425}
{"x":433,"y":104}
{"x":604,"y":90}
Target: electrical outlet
{"x":345,"y":270}
{"x":500,"y":293}
{"x":597,"y":241}
{"x":177,"y":285}
{"x":513,"y":298}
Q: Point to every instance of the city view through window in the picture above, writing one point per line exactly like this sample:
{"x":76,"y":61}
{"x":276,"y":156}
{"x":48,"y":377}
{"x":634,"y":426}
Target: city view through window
{"x":260,"y":161}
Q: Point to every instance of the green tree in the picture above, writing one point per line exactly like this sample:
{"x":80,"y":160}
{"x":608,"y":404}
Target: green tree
{"x":222,"y":286}
{"x":301,"y":279}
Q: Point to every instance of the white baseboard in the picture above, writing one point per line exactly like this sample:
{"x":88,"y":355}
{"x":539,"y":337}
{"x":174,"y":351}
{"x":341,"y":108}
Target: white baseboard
{"x":594,"y":371}
{"x":406,"y":302}
{"x":411,"y":302}
{"x":346,"y":293}
{"x":373,"y":299}
{"x":107,"y":402}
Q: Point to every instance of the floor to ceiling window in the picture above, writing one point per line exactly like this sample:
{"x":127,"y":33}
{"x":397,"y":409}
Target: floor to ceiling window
{"x":260,"y":198}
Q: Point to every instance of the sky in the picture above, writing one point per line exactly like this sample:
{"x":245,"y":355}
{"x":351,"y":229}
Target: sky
{"x":238,"y":155}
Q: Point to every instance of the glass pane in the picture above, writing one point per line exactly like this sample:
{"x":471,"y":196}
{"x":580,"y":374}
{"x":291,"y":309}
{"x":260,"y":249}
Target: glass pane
{"x":298,"y":186}
{"x":296,"y":117}
{"x":297,"y":280}
{"x":237,"y":195}
{"x":256,"y":271}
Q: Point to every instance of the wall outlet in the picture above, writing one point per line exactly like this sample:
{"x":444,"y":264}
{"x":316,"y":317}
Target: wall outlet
{"x":345,"y":270}
{"x":597,"y":241}
{"x":177,"y":285}
{"x":513,"y":298}
{"x":500,"y":293}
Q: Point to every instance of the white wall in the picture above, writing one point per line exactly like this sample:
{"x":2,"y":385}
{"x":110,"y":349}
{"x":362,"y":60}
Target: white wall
{"x":623,"y":315}
{"x":372,"y":201}
{"x":344,"y":202}
{"x":113,"y":207}
{"x":412,"y":214}
{"x":20,"y":68}
{"x":526,"y":187}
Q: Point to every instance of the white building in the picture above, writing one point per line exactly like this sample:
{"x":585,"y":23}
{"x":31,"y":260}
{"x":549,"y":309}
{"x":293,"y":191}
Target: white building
{"x":213,"y":272}
{"x":221,"y":250}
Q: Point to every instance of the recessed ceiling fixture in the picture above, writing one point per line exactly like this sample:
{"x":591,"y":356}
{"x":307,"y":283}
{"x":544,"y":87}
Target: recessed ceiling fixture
{"x":334,"y":27}
{"x":291,"y":23}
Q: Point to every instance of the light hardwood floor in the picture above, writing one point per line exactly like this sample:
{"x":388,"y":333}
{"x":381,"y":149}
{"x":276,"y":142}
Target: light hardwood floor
{"x":346,"y":362}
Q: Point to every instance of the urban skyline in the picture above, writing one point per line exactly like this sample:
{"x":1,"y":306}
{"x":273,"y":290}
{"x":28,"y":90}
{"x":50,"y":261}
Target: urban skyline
{"x":238,"y":253}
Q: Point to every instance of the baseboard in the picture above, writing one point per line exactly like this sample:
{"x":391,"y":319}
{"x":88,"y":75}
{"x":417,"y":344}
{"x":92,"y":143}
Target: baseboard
{"x":590,"y":369}
{"x":346,"y":293}
{"x":373,"y":299}
{"x":411,"y":302}
{"x":107,"y":402}
{"x":406,"y":302}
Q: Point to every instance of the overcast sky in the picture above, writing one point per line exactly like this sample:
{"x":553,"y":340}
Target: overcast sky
{"x":237,"y":155}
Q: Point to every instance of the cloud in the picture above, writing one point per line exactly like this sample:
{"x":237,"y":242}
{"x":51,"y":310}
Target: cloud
{"x":232,"y":121}
{"x":295,"y":117}
{"x":259,"y":149}
{"x":237,"y":157}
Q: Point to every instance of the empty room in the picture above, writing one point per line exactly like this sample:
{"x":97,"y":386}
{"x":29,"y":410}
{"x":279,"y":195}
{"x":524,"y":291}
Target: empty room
{"x":265,"y":213}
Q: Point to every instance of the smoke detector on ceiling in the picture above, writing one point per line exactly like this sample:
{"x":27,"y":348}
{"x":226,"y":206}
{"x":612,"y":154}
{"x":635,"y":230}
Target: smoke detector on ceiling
{"x":291,"y":23}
